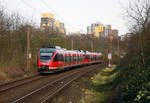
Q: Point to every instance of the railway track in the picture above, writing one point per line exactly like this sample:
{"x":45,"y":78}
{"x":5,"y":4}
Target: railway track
{"x":37,"y":89}
{"x":16,"y":83}
{"x":47,"y":92}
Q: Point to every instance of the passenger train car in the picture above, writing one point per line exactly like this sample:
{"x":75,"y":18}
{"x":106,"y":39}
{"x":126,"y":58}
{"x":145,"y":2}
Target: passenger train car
{"x":54,"y":58}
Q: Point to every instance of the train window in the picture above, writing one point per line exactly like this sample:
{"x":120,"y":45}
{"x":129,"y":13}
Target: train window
{"x":61,"y":57}
{"x":78,"y":58}
{"x":46,"y":54}
{"x":75,"y":58}
{"x":72,"y":58}
{"x":81,"y":58}
{"x":56,"y":58}
{"x":65,"y":58}
{"x":91,"y":57}
{"x":96,"y":57}
{"x":68,"y":59}
{"x":88,"y":57}
{"x":85,"y":57}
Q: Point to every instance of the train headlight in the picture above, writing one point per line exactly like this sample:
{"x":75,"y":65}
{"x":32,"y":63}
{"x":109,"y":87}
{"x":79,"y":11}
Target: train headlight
{"x":42,"y":67}
{"x":47,"y":68}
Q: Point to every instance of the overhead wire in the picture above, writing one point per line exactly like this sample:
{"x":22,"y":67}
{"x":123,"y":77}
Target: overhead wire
{"x":50,"y":8}
{"x":31,"y":7}
{"x":34,"y":9}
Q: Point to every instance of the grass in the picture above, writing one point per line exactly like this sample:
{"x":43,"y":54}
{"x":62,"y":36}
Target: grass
{"x":101,"y":86}
{"x":74,"y":84}
{"x":3,"y":77}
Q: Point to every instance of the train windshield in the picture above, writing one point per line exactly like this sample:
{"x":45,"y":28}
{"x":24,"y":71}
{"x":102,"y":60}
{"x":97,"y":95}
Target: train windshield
{"x":46,"y":54}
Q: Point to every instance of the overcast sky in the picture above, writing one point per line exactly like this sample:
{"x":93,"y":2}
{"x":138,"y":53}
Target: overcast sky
{"x":76,"y":14}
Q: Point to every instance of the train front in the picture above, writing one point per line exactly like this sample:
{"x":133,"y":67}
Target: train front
{"x":45,"y":57}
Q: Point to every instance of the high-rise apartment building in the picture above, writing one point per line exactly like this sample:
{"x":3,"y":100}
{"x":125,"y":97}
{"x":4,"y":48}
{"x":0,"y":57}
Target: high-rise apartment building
{"x":107,"y":30}
{"x":100,"y":30}
{"x":94,"y":29}
{"x":62,"y":27}
{"x":48,"y":22}
{"x":89,"y":31}
{"x":93,"y":25}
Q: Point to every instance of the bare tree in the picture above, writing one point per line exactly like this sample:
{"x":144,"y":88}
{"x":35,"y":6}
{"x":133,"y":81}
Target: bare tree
{"x":138,"y":13}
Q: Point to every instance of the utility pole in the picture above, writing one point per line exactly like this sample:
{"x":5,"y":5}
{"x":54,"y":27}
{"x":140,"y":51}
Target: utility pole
{"x":106,"y":54}
{"x":110,"y":48}
{"x":72,"y":43}
{"x":28,"y":49}
{"x":119,"y":48}
{"x":92,"y":48}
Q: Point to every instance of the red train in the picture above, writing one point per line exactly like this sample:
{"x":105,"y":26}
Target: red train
{"x":54,"y":58}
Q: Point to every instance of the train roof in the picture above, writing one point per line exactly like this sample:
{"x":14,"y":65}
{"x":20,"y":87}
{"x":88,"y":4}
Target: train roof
{"x":59,"y":49}
{"x":54,"y":47}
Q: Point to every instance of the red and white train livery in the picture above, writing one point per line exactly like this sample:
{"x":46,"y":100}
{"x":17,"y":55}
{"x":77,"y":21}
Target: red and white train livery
{"x":54,"y":58}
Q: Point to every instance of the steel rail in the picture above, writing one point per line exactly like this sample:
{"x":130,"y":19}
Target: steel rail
{"x":50,"y":84}
{"x":12,"y":86}
{"x":54,"y":93}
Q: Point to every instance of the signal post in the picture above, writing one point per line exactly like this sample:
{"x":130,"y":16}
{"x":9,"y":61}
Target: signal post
{"x":28,"y":49}
{"x":110,"y":49}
